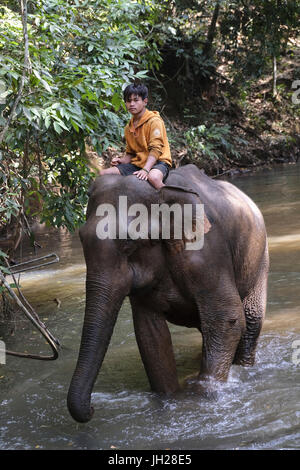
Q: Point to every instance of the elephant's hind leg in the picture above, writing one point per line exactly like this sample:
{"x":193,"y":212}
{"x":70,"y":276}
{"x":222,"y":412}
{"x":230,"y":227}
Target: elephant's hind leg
{"x":254,"y":309}
{"x":155,"y":345}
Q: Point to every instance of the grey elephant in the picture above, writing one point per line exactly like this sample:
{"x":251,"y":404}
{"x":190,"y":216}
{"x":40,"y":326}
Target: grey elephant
{"x":220,"y":289}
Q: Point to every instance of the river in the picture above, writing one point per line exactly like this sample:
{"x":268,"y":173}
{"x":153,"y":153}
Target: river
{"x":258,"y":408}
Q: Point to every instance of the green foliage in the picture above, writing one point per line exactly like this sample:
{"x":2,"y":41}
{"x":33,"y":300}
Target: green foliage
{"x":246,"y":37}
{"x":210,"y":146}
{"x":11,"y":185}
{"x":253,"y":31}
{"x":182,"y":35}
{"x":80,"y":60}
{"x":4,"y":271}
{"x":81,"y":54}
{"x":65,"y":204}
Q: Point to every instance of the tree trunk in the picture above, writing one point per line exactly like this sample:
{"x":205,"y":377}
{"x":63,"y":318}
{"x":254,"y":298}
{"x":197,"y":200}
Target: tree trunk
{"x":207,"y":49}
{"x":274,"y":76}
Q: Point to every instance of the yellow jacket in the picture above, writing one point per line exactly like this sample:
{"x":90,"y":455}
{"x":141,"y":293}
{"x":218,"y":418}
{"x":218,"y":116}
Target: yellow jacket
{"x":149,"y":137}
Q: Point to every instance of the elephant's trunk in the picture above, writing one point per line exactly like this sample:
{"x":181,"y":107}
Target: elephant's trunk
{"x":103,"y":303}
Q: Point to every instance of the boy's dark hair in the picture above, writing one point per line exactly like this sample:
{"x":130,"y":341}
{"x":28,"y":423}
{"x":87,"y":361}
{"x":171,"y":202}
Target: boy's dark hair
{"x":138,"y":89}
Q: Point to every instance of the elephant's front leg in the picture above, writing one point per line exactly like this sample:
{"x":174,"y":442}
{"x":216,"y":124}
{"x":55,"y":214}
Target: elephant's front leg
{"x":155,"y":345}
{"x":222,"y":325}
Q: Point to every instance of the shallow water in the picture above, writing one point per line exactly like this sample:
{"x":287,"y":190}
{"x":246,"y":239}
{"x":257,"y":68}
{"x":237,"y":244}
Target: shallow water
{"x":258,"y":408}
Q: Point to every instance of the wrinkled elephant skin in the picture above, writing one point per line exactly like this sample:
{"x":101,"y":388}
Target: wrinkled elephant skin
{"x":219,"y":289}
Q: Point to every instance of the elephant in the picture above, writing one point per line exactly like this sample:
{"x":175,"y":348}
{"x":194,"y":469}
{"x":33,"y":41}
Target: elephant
{"x":220,"y":289}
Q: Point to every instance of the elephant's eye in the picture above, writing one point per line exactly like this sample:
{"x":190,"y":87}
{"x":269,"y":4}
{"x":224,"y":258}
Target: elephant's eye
{"x":127,"y":247}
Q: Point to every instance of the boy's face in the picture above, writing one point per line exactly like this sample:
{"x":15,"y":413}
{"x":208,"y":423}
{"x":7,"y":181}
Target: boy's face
{"x":136,"y":105}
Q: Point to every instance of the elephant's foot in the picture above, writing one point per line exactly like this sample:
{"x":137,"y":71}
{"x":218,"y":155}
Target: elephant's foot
{"x":244,"y":361}
{"x":204,"y":386}
{"x":244,"y":357}
{"x":207,"y":391}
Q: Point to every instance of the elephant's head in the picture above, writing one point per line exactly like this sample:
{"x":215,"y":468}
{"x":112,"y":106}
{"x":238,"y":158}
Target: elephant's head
{"x":116,"y":267}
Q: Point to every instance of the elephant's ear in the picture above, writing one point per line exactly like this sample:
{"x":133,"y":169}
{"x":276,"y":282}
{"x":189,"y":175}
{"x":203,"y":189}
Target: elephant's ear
{"x":192,"y":235}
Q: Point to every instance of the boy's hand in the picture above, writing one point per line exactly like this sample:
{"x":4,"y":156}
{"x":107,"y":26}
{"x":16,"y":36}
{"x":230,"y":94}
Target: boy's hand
{"x":115,"y":161}
{"x":141,"y":174}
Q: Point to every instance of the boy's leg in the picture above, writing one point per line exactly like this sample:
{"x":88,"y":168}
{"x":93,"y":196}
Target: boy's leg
{"x":111,"y":170}
{"x":155,"y":178}
{"x":158,"y":174}
{"x":124,"y":169}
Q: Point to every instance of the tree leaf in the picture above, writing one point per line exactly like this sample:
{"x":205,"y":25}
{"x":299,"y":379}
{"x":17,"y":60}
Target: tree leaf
{"x":47,"y":122}
{"x":27,"y":113}
{"x":57,"y":127}
{"x":46,"y":85}
{"x":37,"y":74}
{"x":75,"y":126}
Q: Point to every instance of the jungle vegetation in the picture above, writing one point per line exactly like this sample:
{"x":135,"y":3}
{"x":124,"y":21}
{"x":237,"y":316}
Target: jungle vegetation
{"x":223,"y":74}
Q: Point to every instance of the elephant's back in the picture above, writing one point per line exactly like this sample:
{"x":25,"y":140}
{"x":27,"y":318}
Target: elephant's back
{"x":220,"y":198}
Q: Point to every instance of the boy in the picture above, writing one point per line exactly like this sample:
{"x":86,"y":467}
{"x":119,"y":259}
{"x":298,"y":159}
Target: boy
{"x":148,"y":153}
